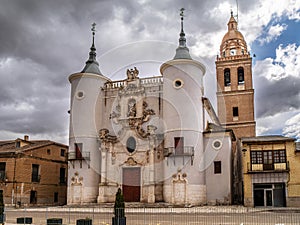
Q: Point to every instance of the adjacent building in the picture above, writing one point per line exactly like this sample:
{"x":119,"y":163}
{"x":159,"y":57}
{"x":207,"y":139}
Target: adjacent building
{"x":270,"y":171}
{"x":33,"y":172}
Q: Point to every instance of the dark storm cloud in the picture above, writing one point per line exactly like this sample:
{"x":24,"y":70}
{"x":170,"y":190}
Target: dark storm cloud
{"x":275,"y":96}
{"x":44,"y":41}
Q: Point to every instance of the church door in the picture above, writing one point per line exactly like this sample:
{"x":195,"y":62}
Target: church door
{"x":131,"y":184}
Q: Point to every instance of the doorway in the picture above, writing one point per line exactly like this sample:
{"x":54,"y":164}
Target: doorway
{"x":269,"y":195}
{"x":131,"y":184}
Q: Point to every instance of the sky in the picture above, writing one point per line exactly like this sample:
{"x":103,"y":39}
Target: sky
{"x":45,"y":41}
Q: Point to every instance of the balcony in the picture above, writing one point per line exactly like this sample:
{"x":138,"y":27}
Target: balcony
{"x":186,"y":153}
{"x":266,"y":168}
{"x":82,"y":156}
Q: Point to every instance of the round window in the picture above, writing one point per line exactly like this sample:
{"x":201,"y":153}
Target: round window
{"x":217,"y":144}
{"x":131,"y":144}
{"x":178,"y":83}
{"x":80,"y":95}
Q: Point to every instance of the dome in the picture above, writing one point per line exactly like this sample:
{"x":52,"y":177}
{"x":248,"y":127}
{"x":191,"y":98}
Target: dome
{"x":233,"y":42}
{"x":233,"y":34}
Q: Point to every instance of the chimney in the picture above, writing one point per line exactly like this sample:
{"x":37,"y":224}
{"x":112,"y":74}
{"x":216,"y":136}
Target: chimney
{"x":26,"y":137}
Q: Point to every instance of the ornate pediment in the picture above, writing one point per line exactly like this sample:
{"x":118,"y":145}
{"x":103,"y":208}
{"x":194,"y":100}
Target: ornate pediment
{"x":131,"y":162}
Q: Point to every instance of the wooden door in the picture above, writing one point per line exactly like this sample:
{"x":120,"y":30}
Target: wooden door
{"x":131,"y":184}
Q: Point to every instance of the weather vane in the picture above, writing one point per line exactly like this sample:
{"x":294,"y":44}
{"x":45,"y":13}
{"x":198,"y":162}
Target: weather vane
{"x":93,"y":28}
{"x":182,"y":13}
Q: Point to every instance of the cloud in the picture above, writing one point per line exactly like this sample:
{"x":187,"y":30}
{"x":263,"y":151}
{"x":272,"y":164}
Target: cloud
{"x":292,"y":126}
{"x":286,"y":64}
{"x":277,"y":92}
{"x":43,"y":42}
{"x":273,"y":33}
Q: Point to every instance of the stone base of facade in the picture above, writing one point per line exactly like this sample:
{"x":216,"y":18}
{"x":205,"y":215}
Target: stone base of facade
{"x":77,"y":194}
{"x":182,"y":194}
{"x":107,"y":193}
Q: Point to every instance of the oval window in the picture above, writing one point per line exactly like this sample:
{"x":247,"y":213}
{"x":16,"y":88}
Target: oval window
{"x":131,"y":144}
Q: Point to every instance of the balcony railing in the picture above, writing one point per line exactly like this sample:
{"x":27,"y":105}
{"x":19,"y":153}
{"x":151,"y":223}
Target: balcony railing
{"x":262,"y":168}
{"x":82,"y":156}
{"x":185,"y":151}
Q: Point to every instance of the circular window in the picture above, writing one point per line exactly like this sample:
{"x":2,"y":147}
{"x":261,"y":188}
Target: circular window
{"x":80,"y":95}
{"x":131,"y":144}
{"x":217,"y":144}
{"x":178,"y":83}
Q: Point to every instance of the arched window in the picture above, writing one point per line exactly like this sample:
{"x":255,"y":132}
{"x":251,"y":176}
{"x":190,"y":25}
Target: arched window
{"x":241,"y":75}
{"x":227,"y":77}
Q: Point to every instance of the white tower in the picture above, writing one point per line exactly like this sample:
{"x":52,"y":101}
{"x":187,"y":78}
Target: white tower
{"x":85,"y":120}
{"x":183,"y":116}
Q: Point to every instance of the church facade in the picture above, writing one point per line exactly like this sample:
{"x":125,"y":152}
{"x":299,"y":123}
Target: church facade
{"x":158,"y":138}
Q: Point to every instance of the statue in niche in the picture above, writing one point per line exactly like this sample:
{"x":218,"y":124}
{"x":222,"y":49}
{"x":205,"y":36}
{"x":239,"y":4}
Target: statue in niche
{"x":131,"y":108}
{"x":132,"y":74}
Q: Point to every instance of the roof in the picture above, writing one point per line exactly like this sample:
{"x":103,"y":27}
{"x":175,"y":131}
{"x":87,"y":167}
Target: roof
{"x":9,"y":146}
{"x":91,"y":65}
{"x":270,"y":138}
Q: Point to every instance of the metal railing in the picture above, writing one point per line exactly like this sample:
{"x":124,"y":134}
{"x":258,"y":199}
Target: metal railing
{"x":184,"y":151}
{"x":82,"y":156}
{"x":274,"y":167}
{"x":206,"y":215}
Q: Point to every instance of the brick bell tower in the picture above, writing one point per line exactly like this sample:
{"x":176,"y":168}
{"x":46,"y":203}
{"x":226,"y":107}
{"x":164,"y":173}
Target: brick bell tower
{"x":235,"y":93}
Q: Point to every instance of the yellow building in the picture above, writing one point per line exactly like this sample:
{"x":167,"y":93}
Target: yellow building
{"x":33,"y":172}
{"x":271,"y":166}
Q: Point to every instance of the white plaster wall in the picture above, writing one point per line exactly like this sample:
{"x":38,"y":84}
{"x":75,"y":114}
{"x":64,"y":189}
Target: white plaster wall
{"x":220,"y":193}
{"x":84,"y":129}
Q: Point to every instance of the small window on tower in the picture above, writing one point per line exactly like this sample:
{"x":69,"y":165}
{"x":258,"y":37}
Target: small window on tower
{"x":217,"y":167}
{"x":235,"y":111}
{"x":227,"y":77}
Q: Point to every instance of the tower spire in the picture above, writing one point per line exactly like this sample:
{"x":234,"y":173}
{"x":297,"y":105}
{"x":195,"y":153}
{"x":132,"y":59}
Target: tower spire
{"x":182,"y":52}
{"x":91,"y":65}
{"x":182,"y":39}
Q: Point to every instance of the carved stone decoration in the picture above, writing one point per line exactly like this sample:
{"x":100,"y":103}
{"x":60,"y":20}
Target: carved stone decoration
{"x":179,"y":184}
{"x":106,"y":137}
{"x":179,"y":177}
{"x":76,"y":180}
{"x":132,"y":74}
{"x":131,"y":108}
{"x":131,"y":162}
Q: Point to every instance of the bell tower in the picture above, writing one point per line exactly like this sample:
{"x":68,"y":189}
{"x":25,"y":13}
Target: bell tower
{"x":235,"y":93}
